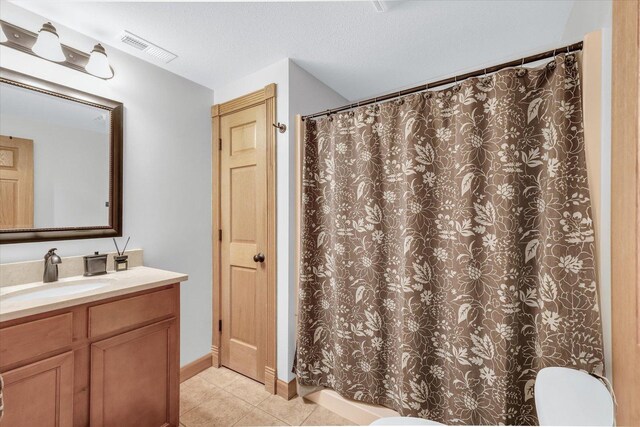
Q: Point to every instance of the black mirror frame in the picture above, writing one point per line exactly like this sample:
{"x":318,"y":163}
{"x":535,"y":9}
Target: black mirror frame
{"x":114,"y":228}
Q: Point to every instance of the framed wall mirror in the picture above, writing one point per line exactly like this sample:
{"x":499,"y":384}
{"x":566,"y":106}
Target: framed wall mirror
{"x":60,"y":162}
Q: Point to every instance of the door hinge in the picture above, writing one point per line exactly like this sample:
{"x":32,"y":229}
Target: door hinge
{"x":220,"y":144}
{"x":220,"y":235}
{"x":220,"y":325}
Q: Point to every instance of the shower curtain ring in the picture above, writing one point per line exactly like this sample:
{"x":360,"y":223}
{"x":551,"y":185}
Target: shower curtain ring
{"x":520,"y":72}
{"x":456,"y":87}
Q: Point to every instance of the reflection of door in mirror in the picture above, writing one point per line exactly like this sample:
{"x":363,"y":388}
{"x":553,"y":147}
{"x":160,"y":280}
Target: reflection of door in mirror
{"x":16,"y":183}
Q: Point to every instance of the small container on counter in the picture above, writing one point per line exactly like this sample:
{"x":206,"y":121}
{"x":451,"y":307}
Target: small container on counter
{"x":95,"y":265}
{"x":120,"y":262}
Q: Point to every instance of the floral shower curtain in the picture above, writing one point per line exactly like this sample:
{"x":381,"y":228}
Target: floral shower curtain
{"x":448,"y":248}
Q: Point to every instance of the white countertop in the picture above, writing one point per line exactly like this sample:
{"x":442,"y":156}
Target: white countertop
{"x":110,"y":285}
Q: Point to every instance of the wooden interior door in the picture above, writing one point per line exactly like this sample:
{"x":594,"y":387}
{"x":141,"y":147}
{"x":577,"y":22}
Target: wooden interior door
{"x":134,"y":378}
{"x":40,"y":394}
{"x":243,"y":201}
{"x":16,"y":183}
{"x":625,"y":215}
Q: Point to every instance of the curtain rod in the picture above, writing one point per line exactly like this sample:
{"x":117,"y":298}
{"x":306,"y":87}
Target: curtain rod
{"x":533,"y":58}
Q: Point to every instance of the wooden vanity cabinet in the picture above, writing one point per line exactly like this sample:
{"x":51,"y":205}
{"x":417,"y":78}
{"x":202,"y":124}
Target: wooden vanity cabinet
{"x":126,"y":373}
{"x":40,"y":393}
{"x":113,"y":362}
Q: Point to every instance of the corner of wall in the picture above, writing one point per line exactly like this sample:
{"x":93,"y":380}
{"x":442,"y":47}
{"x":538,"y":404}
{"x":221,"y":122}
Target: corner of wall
{"x":587,"y":16}
{"x":306,"y":94}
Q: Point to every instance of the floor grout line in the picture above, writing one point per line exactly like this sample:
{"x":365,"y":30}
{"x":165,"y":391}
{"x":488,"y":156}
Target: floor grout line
{"x":314,"y":410}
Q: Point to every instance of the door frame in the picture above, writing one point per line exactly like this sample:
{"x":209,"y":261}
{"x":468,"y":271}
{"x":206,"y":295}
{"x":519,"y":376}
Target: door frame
{"x":266,"y":96}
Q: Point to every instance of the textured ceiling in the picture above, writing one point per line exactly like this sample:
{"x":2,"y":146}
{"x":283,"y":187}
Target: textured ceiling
{"x":347,"y":45}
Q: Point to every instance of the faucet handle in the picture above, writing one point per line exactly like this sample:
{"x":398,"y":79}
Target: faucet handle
{"x":53,"y":256}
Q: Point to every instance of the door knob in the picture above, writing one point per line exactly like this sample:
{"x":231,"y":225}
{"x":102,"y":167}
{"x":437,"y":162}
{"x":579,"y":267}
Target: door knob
{"x":258,"y":257}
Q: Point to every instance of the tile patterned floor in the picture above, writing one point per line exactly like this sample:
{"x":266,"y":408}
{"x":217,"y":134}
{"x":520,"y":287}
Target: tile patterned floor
{"x":221,"y":397}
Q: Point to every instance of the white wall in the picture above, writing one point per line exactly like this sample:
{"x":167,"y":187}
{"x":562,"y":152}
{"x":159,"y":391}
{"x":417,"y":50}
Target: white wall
{"x":167,"y":170}
{"x":298,"y":92}
{"x":65,"y":196}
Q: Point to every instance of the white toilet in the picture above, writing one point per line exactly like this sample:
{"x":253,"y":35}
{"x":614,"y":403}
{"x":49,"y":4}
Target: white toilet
{"x":569,"y":397}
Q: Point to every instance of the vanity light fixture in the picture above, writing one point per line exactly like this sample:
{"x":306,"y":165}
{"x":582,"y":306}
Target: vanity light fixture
{"x":48,"y":45}
{"x":98,"y":64}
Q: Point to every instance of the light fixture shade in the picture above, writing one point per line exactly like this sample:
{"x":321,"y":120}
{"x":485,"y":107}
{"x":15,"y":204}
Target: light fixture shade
{"x":98,"y":64}
{"x":3,"y":36}
{"x":47,"y":44}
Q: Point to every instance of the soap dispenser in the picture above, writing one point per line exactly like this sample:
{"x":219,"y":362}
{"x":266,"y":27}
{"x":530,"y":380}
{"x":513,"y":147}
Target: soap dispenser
{"x":95,"y":265}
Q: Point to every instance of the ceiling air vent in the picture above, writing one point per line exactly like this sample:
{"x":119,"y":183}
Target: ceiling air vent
{"x":147,"y":47}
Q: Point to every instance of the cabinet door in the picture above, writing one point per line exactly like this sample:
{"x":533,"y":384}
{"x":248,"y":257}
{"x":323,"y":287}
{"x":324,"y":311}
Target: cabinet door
{"x":40,"y":394}
{"x":134,"y":378}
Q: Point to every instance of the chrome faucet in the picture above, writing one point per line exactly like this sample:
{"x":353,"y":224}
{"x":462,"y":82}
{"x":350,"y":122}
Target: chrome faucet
{"x":51,"y":261}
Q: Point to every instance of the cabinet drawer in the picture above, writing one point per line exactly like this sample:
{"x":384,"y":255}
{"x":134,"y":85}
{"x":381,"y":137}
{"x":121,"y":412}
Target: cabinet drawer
{"x":30,"y":339}
{"x":130,"y":312}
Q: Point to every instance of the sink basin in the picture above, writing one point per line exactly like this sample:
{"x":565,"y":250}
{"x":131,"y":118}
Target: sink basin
{"x":55,"y":290}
